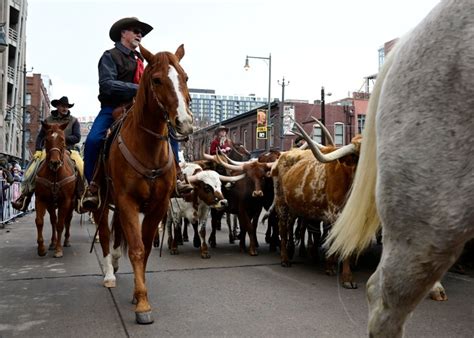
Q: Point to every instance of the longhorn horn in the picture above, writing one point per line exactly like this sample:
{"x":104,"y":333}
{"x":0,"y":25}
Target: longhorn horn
{"x":204,"y":155}
{"x":232,"y":178}
{"x":325,"y":130}
{"x":325,"y":158}
{"x":234,"y":162}
{"x":230,"y":166}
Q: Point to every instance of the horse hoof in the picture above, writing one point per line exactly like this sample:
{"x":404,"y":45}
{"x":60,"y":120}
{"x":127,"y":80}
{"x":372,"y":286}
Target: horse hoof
{"x":438,"y":295}
{"x":67,"y":244}
{"x":116,"y":269}
{"x":253,"y":253}
{"x":51,"y":246}
{"x":156,"y":244}
{"x":110,"y":283}
{"x":286,"y":264}
{"x":349,"y":285}
{"x":42,"y":252}
{"x":205,"y":256}
{"x":144,"y":318}
{"x":174,"y":252}
{"x":58,"y":254}
{"x":185,"y":239}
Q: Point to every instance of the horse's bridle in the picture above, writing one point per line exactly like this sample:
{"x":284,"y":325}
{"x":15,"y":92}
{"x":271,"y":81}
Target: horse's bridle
{"x":61,"y":157}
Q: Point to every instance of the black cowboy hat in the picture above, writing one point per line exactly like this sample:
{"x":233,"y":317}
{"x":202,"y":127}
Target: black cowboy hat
{"x":63,"y":100}
{"x":115,"y":32}
{"x":221,"y":127}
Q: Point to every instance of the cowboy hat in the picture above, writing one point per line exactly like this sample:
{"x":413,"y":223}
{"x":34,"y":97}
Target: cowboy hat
{"x":63,"y":101}
{"x":221,"y":127}
{"x":115,"y":32}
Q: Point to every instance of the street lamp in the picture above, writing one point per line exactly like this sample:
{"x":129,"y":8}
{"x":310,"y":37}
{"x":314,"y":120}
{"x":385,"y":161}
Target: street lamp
{"x":247,"y":67}
{"x":283,"y":84}
{"x":323,"y":112}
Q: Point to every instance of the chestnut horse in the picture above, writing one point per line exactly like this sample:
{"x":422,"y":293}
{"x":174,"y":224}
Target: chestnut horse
{"x":141,"y":169}
{"x":55,"y":189}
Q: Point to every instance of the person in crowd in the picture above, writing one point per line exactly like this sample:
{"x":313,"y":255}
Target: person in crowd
{"x":72,"y":134}
{"x":120,"y":70}
{"x":221,"y":141}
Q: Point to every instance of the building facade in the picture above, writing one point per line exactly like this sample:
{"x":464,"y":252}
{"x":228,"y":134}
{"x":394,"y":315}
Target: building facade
{"x":37,"y":104}
{"x":209,"y":108}
{"x":13,"y":15}
{"x":340,"y":122}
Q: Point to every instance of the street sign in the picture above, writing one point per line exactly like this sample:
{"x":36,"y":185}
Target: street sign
{"x":261,"y":133}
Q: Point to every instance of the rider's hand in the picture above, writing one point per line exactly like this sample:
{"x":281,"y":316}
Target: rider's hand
{"x":37,"y":154}
{"x":227,"y":149}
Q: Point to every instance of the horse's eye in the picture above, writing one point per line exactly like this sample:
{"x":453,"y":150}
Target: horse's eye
{"x":156,"y":81}
{"x":186,"y":78}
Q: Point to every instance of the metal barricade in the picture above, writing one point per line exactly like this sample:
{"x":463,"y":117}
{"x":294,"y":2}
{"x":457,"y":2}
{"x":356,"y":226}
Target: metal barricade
{"x":9,"y":193}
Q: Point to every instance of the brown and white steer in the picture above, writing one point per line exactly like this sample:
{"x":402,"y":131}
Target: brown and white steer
{"x":312,"y":190}
{"x":195,"y":206}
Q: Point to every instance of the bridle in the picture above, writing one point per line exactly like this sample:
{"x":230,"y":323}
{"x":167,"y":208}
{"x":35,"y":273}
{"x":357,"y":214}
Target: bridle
{"x":61,"y":158}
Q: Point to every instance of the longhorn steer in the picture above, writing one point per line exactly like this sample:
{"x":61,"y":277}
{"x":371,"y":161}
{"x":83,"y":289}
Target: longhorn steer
{"x":310,"y":189}
{"x":416,"y":172}
{"x":196,"y":205}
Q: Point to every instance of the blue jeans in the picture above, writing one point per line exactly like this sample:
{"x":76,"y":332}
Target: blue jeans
{"x":94,"y":140}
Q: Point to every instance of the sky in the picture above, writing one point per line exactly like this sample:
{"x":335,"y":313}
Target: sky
{"x":312,"y":43}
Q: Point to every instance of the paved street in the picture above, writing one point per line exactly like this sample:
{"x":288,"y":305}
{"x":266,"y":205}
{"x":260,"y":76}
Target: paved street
{"x":231,"y":294}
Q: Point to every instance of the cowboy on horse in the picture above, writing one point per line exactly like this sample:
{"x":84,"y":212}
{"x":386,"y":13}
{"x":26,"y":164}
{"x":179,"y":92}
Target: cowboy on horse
{"x":72,"y":134}
{"x":120,"y":70}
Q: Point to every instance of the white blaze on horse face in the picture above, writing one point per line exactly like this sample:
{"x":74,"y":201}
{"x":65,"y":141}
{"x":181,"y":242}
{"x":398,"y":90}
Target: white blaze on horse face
{"x":185,"y":119}
{"x":54,"y":135}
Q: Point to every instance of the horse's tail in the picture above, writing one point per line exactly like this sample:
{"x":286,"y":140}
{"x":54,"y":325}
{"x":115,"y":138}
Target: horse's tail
{"x":359,"y":221}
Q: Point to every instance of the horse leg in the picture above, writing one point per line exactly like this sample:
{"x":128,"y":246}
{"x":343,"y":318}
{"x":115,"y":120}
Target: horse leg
{"x":64,"y":210}
{"x":402,"y":280}
{"x":101,"y":217}
{"x":116,"y":252}
{"x":137,"y":252}
{"x":39,"y":220}
{"x":346,"y":276}
{"x":67,"y":225}
{"x":438,"y":293}
{"x":53,"y":219}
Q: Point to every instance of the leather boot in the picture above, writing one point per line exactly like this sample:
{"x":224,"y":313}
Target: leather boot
{"x":182,"y":185}
{"x":91,"y":199}
{"x":22,"y":202}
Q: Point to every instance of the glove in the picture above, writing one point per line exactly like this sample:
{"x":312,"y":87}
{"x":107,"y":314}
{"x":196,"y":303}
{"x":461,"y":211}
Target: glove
{"x":37,"y":154}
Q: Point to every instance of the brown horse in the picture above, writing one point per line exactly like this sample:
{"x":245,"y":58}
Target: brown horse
{"x":141,"y":169}
{"x":55,"y":189}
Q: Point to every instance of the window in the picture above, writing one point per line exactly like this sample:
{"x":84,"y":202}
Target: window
{"x":234,"y":136}
{"x":360,"y":123}
{"x":28,"y":135}
{"x":339,"y":133}
{"x":28,"y":99}
{"x":28,"y":117}
{"x":317,"y":133}
{"x":244,"y":139}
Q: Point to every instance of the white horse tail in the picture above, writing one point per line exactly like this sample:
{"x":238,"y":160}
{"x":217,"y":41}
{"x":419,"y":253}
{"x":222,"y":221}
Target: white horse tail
{"x":359,"y":221}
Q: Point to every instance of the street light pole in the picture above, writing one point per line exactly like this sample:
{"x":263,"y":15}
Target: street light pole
{"x":247,"y":66}
{"x":283,"y":84}
{"x":23,"y":125}
{"x":323,"y":114}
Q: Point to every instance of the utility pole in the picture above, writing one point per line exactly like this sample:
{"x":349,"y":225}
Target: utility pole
{"x":323,"y":115}
{"x":283,"y":84}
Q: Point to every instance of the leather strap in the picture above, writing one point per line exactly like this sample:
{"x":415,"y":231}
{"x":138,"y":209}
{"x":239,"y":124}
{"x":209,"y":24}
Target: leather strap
{"x":140,"y":168}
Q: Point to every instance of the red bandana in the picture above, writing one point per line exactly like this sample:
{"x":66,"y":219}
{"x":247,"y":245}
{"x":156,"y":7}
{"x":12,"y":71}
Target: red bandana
{"x":139,"y":70}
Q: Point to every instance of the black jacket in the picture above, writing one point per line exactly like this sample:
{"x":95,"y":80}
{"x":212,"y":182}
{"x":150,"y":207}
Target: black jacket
{"x":72,"y":131}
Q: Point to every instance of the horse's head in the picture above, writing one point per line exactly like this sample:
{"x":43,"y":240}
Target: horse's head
{"x":167,"y":81}
{"x":54,"y":143}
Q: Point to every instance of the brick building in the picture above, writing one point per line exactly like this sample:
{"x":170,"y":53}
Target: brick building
{"x":37,"y":108}
{"x":341,"y":121}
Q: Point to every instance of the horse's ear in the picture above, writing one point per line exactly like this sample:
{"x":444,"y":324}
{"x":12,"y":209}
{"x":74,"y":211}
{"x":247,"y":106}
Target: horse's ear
{"x":146,"y":53}
{"x":180,"y":52}
{"x":63,"y":126}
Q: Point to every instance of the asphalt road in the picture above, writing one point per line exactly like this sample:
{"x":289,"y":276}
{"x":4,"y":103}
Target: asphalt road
{"x":230,"y":294}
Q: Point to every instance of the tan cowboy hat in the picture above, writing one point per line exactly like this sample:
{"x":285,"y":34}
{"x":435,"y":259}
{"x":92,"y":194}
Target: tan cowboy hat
{"x":62,"y":101}
{"x":221,"y":128}
{"x":115,"y":32}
